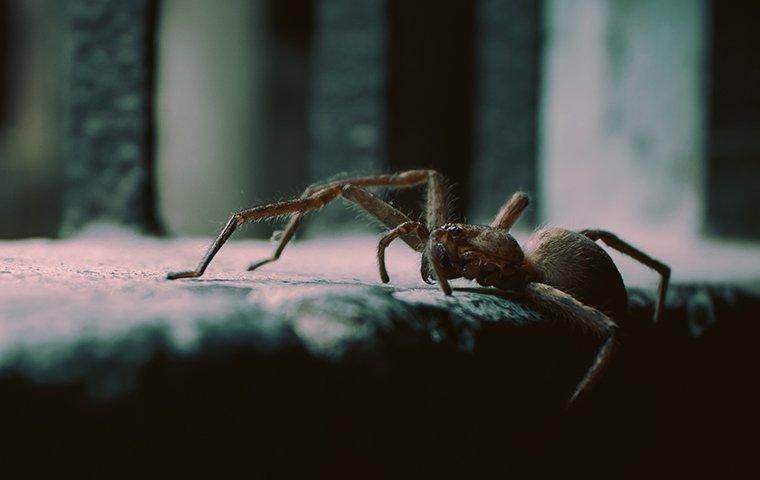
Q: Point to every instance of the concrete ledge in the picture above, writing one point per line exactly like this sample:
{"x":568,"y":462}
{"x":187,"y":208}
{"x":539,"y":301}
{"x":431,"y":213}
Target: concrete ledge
{"x":309,"y":366}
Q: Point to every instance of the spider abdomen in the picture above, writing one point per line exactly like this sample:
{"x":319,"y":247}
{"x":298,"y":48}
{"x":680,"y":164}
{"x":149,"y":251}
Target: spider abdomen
{"x":571,"y":262}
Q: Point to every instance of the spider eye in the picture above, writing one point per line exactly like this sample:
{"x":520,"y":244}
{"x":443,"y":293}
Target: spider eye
{"x":453,"y":229}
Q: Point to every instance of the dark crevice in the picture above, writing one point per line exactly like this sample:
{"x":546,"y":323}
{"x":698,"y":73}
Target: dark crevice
{"x":431,"y":93}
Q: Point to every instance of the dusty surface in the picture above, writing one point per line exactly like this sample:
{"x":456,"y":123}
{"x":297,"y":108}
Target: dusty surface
{"x":311,"y":367}
{"x":106,"y":293}
{"x":104,"y":362}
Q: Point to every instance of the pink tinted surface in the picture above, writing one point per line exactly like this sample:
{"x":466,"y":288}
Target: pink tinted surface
{"x":107,"y":281}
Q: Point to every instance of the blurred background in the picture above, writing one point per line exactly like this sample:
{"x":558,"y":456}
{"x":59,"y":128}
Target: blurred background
{"x":639,"y":116}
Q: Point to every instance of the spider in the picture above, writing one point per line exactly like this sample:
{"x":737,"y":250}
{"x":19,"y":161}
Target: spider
{"x":562,"y":272}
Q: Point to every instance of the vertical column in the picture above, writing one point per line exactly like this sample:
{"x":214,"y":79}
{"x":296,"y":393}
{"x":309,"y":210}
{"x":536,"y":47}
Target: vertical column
{"x":734,"y":121}
{"x":347,"y":118}
{"x":108,"y":113}
{"x":222,"y":113}
{"x":623,"y":116}
{"x":508,"y":60}
{"x":31,"y":166}
{"x":431,"y":92}
{"x":283,"y":170}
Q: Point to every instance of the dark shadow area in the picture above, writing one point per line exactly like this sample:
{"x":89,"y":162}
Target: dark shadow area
{"x":431,"y":92}
{"x":428,"y":393}
{"x":677,"y":402}
{"x":734,"y":121}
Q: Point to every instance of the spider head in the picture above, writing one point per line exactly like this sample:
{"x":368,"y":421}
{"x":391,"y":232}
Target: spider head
{"x":491,"y":256}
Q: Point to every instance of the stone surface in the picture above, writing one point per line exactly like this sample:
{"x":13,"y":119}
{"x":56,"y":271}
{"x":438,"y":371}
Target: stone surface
{"x":310,"y":366}
{"x":310,"y":357}
{"x":108,"y":117}
{"x":325,"y":297}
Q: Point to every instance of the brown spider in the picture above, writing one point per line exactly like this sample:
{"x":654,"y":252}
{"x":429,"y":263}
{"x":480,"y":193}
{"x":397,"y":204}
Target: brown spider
{"x":562,"y":272}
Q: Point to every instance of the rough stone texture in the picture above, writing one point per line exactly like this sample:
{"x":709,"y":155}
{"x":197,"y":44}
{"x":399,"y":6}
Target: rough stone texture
{"x":107,"y":137}
{"x":312,"y":367}
{"x":509,"y":44}
{"x":347,"y":116}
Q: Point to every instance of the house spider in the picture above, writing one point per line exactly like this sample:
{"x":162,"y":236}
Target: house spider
{"x":561,"y":272}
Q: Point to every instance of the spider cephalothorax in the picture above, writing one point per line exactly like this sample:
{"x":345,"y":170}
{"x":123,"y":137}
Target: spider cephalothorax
{"x":490,"y":256}
{"x":562,"y":272}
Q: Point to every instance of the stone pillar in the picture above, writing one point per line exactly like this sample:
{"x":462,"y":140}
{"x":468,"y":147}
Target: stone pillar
{"x":431,"y":94}
{"x":734,"y":121}
{"x":623,"y":116}
{"x":347,"y":115}
{"x":506,"y":135}
{"x":108,"y":138}
{"x":211,"y":89}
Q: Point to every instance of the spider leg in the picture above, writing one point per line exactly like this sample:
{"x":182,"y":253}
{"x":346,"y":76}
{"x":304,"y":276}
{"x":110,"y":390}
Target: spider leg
{"x":315,"y":201}
{"x":563,"y":306}
{"x":511,"y":211}
{"x":383,"y":211}
{"x":225,"y":234}
{"x":287,"y":235}
{"x":437,"y":205}
{"x":613,"y":241}
{"x":406,"y":179}
{"x":437,"y":252}
{"x":295,"y":221}
{"x":405,"y":228}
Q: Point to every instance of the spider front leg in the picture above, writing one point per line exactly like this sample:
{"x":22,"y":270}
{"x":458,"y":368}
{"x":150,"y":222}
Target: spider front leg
{"x":287,"y":234}
{"x":315,"y":201}
{"x":564,"y":307}
{"x":381,"y":210}
{"x":406,"y":179}
{"x":223,"y":236}
{"x":436,"y":252}
{"x":437,"y":213}
{"x":405,"y":228}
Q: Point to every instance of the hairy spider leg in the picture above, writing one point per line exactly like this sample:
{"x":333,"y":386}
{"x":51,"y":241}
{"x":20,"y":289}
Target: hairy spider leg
{"x":287,"y":235}
{"x":613,"y":241}
{"x":382,"y":211}
{"x":511,"y":211}
{"x":565,"y":307}
{"x":405,"y":228}
{"x":225,"y":234}
{"x":315,"y":201}
{"x":290,"y":230}
{"x":436,"y":251}
{"x":406,"y":179}
{"x":437,"y":203}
